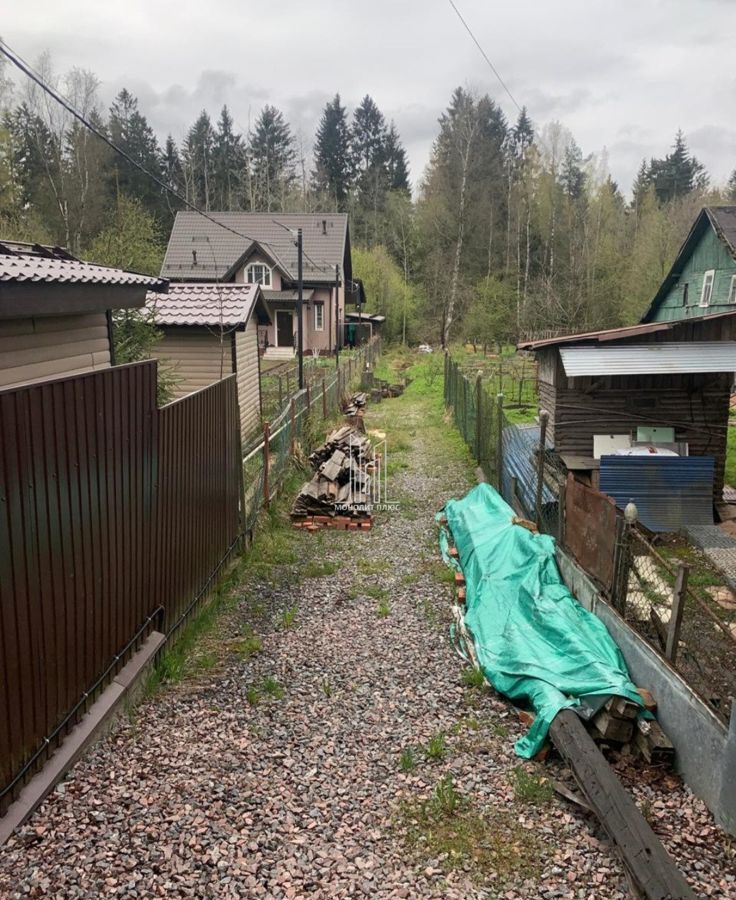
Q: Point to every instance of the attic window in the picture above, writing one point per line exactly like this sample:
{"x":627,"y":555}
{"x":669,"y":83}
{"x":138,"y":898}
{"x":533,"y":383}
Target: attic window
{"x":732,"y":290}
{"x":258,"y":273}
{"x":707,"y":291}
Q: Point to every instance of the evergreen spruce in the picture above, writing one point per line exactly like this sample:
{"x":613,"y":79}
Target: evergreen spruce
{"x":332,"y":174}
{"x":273,"y":158}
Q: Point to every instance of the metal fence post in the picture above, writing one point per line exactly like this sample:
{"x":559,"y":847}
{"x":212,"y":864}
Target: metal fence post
{"x":561,"y":511}
{"x":478,"y":426}
{"x":324,"y":399}
{"x":543,"y":420}
{"x":679,"y":593}
{"x":447,"y":378}
{"x":292,"y":427}
{"x":623,"y":563}
{"x":281,"y":393}
{"x":266,"y":461}
{"x":499,"y":442}
{"x":309,"y":399}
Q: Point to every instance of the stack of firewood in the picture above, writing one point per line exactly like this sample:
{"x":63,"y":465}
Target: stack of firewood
{"x":355,"y":406}
{"x":341,"y":485}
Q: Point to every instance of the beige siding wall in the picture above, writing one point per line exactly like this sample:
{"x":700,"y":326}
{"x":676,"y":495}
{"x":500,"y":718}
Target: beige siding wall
{"x":195,"y":357}
{"x":249,"y":385}
{"x":324,"y":340}
{"x":41,"y":348}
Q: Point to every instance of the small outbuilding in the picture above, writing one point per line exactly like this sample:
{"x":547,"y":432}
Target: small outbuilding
{"x":55,"y":312}
{"x":210,"y":330}
{"x":657,"y":390}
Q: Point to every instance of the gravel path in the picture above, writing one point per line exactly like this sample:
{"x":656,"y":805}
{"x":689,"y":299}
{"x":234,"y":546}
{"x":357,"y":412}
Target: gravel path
{"x":278,"y":773}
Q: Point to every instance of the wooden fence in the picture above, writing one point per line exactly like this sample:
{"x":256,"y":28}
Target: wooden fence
{"x":115,"y":517}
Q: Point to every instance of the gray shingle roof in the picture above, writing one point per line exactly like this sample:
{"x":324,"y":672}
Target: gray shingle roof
{"x":217,"y":250}
{"x":288,"y":295}
{"x":724,"y":222}
{"x":226,"y":305}
{"x":32,"y":262}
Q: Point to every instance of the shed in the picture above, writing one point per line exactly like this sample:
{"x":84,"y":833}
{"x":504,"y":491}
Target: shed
{"x":210,"y":330}
{"x":55,"y":312}
{"x":667,"y":383}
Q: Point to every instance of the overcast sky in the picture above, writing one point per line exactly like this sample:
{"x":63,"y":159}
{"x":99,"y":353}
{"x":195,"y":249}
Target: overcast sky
{"x":623,"y":75}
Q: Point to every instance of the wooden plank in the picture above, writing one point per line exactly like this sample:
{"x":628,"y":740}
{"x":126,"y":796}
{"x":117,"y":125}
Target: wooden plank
{"x":648,"y":864}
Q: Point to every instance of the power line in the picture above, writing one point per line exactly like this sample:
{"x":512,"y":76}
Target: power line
{"x":38,"y":79}
{"x":485,"y":55}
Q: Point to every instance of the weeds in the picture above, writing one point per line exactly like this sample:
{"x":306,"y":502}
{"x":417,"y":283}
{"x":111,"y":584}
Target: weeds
{"x":530,"y":788}
{"x":436,"y":748}
{"x":408,"y":761}
{"x":272,"y":688}
{"x":383,"y":609}
{"x":473,"y":678}
{"x":326,"y":687}
{"x":314,"y":569}
{"x":287,"y":618}
{"x":253,"y":697}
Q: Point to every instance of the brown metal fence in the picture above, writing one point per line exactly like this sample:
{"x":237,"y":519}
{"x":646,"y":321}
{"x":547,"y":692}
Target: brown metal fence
{"x":590,"y":529}
{"x":77,"y":503}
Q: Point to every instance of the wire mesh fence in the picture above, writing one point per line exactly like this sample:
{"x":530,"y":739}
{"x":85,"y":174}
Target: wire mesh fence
{"x":669,"y":594}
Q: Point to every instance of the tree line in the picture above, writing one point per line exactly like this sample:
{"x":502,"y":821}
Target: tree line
{"x":509,"y":229}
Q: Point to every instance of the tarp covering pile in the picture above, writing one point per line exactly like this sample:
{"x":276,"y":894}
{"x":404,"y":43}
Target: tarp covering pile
{"x":534,"y":642}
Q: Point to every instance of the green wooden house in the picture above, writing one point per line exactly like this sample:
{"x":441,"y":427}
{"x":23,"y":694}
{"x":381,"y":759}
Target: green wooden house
{"x":702,"y":280}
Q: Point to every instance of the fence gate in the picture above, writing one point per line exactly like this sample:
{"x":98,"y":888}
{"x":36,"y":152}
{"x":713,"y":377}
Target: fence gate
{"x":590,"y":530}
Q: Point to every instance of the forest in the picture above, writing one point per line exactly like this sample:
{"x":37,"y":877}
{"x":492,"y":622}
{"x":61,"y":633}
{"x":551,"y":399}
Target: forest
{"x":510,"y":229}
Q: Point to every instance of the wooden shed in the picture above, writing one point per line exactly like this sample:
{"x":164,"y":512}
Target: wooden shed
{"x":664,"y":383}
{"x":210,"y":330}
{"x":55,"y":312}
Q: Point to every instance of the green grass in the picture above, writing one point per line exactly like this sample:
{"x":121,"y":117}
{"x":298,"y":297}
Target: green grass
{"x":529,"y":787}
{"x":473,"y":677}
{"x":375,"y":591}
{"x":731,"y":456}
{"x":271,"y":688}
{"x":436,"y":748}
{"x":253,"y":696}
{"x":374,"y":566}
{"x":383,"y":609}
{"x":408,"y":761}
{"x":318,"y":569}
{"x":287,"y":618}
{"x":448,"y":827}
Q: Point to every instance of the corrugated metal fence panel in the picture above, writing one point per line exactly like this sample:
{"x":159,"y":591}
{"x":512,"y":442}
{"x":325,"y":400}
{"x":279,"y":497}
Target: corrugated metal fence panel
{"x":590,"y":530}
{"x":519,"y":450}
{"x":76,"y":502}
{"x":199,"y":486}
{"x":669,"y":491}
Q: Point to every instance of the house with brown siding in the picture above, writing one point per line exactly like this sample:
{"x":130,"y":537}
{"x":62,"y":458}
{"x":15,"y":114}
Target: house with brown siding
{"x":210,"y":331}
{"x":55,"y":312}
{"x":662,"y":386}
{"x":260,"y":248}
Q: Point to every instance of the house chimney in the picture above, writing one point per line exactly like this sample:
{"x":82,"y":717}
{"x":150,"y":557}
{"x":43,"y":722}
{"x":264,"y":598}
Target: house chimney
{"x":194,"y":257}
{"x":324,"y":226}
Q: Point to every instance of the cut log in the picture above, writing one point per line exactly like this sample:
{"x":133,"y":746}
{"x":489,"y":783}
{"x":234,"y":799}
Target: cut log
{"x":653,"y":743}
{"x":607,"y":727}
{"x":623,"y":708}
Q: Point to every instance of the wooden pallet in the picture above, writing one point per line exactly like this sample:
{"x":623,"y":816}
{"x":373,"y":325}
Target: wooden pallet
{"x":340,"y":523}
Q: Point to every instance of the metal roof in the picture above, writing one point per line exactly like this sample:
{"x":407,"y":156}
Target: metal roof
{"x":669,"y":491}
{"x":200,"y":249}
{"x":620,"y":334}
{"x":209,"y":304}
{"x":52,"y":265}
{"x":650,"y":359}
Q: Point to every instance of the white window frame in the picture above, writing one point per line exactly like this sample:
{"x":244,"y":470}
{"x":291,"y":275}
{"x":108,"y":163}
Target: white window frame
{"x":266,"y":274}
{"x":706,"y":293}
{"x":732,"y":290}
{"x":319,"y":322}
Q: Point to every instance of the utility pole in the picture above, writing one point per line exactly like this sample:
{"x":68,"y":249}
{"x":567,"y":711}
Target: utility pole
{"x":337,"y":315}
{"x":299,"y":307}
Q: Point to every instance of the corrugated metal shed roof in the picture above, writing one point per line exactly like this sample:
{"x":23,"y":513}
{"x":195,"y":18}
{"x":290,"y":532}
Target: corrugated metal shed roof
{"x":324,"y":237}
{"x":650,"y":359}
{"x":49,"y":265}
{"x":213,"y":305}
{"x":669,"y":491}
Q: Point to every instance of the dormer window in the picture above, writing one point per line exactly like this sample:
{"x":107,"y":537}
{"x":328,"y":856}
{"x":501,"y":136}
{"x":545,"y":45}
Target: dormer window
{"x":258,"y":273}
{"x":732,"y":290}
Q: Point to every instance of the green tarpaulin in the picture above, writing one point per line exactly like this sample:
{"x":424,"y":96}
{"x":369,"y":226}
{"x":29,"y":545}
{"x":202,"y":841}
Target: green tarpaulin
{"x":535,"y":643}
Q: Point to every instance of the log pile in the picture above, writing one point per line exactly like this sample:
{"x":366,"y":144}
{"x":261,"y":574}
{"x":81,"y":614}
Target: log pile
{"x":355,"y":406}
{"x":338,"y":494}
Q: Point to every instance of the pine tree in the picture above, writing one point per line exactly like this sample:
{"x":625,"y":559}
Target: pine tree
{"x":522,"y":135}
{"x":229,"y":164}
{"x":333,"y":164}
{"x":171,"y":169}
{"x":198,"y":162}
{"x":397,"y":165}
{"x":273,"y":158}
{"x":572,"y":176}
{"x":642,"y":183}
{"x":129,"y":129}
{"x":678,"y":173}
{"x":731,"y":187}
{"x":368,"y":137}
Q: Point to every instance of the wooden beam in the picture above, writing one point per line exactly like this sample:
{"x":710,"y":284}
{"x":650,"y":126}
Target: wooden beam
{"x":647,"y":863}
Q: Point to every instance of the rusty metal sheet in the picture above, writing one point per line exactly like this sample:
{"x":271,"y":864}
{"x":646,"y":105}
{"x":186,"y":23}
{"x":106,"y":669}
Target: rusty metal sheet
{"x":590,"y":530}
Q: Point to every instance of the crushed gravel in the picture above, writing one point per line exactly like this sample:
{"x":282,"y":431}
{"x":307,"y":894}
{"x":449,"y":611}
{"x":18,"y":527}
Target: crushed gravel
{"x":217,"y":788}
